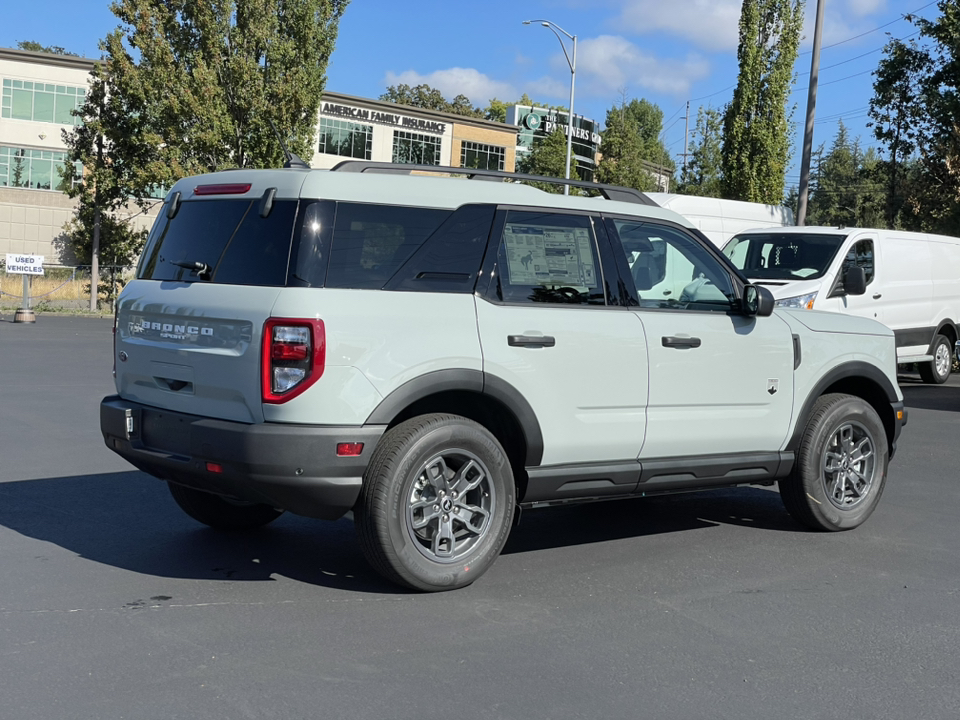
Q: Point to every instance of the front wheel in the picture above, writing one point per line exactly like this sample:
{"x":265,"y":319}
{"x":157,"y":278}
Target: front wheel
{"x":937,"y":370}
{"x":841,"y":465}
{"x":220,"y":512}
{"x":437,"y":503}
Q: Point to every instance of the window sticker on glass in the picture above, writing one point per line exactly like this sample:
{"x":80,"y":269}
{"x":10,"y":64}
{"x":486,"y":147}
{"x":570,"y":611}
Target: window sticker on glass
{"x":549,"y":255}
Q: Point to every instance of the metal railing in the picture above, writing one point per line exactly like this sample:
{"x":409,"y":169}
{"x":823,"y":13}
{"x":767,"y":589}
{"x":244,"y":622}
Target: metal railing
{"x":64,"y":287}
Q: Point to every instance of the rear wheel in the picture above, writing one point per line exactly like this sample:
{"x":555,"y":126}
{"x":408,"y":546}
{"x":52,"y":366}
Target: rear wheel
{"x":841,"y":465}
{"x":220,"y":512}
{"x":937,"y":370}
{"x":437,"y":503}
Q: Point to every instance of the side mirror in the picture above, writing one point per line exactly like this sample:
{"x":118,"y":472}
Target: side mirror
{"x":854,"y":281}
{"x":757,"y":301}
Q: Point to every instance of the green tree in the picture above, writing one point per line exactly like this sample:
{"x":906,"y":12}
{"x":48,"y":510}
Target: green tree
{"x":937,"y":196}
{"x":756,"y":139}
{"x":32,"y":46}
{"x":497,"y":109}
{"x":702,"y":174}
{"x":429,"y":98}
{"x":548,"y":158}
{"x":846,"y":185}
{"x":897,"y":117}
{"x":631,"y":146}
{"x":203,"y":79}
{"x":191,"y":86}
{"x":107,"y":148}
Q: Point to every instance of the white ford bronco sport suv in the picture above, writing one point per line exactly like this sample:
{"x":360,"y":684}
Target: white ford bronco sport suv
{"x":434,"y":354}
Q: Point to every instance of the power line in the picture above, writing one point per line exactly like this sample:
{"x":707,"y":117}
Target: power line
{"x":715,"y":93}
{"x":841,"y":42}
{"x":857,"y":57}
{"x":880,"y":27}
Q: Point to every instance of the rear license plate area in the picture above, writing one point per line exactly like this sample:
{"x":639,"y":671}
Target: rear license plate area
{"x":163,"y":431}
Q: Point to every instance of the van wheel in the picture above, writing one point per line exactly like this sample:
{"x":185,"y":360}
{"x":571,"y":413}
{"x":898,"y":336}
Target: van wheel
{"x":937,"y":370}
{"x":841,"y":466}
{"x":222,"y":513}
{"x":437,"y":503}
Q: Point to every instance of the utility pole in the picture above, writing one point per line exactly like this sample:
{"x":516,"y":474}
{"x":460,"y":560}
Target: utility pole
{"x":686,"y":130}
{"x":811,"y":114}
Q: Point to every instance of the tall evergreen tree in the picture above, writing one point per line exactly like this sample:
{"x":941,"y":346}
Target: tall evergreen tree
{"x":846,"y":188}
{"x":756,"y":140}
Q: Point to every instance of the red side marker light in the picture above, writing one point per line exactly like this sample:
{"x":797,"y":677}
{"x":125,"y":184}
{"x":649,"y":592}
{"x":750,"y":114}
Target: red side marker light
{"x":222,"y":189}
{"x":349,"y":449}
{"x":214,"y":467}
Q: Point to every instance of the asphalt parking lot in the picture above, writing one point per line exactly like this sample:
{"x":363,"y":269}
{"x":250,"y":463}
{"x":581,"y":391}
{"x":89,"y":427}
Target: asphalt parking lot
{"x":114,"y":604}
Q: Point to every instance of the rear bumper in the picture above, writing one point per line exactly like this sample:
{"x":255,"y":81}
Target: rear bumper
{"x":294,"y":467}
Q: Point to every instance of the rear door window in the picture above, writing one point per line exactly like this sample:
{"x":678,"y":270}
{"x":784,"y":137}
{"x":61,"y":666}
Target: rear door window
{"x":450,"y":259}
{"x":372,"y":242}
{"x":228,"y":236}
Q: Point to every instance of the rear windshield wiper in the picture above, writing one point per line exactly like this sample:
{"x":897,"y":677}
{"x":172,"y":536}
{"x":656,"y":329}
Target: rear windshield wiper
{"x":200,"y":268}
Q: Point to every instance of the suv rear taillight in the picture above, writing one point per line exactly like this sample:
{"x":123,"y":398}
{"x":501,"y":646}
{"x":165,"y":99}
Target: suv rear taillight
{"x":292,"y":360}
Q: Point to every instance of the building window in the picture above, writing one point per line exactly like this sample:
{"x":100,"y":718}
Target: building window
{"x":37,"y":169}
{"x":482,"y":157}
{"x":40,"y":102}
{"x":349,"y":139}
{"x":415,"y":149}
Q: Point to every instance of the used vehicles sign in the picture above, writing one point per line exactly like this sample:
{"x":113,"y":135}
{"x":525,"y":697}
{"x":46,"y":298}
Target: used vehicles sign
{"x":24,"y":264}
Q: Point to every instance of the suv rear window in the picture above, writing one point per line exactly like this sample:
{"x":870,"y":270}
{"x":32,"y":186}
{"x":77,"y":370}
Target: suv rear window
{"x":229,"y":236}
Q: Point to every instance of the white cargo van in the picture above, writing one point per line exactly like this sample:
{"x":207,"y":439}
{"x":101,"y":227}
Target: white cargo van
{"x":910,"y":282}
{"x":720,"y":219}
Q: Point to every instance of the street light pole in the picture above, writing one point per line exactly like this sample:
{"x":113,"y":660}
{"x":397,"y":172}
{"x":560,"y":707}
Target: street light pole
{"x":572,"y":62}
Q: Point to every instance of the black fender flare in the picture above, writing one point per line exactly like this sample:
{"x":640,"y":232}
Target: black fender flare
{"x":854,"y":368}
{"x":474,"y":381}
{"x":946,"y":322}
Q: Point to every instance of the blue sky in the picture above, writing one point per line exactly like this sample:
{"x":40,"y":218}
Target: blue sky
{"x":666,"y":52}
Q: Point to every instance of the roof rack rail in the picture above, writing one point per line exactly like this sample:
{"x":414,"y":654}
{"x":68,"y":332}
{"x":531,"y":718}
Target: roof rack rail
{"x":610,"y":192}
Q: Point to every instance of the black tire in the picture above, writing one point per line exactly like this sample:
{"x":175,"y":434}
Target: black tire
{"x":437,"y":503}
{"x":841,"y":465}
{"x":219,"y":512}
{"x":937,"y":370}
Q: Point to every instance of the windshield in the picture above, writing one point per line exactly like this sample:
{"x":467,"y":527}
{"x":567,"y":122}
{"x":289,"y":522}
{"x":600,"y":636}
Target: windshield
{"x":783,"y":256}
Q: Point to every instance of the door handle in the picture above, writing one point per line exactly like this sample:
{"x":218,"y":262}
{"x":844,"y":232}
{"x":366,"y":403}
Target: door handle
{"x":877,"y":296}
{"x":531,"y":341}
{"x":680,"y":342}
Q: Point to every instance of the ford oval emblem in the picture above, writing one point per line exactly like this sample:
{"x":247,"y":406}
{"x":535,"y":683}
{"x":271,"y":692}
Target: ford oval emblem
{"x":123,"y":356}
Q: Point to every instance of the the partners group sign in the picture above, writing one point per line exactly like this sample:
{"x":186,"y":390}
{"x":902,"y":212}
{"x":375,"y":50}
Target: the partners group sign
{"x":24,"y":264}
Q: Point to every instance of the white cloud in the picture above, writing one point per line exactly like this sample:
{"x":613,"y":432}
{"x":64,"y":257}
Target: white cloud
{"x":610,"y":62}
{"x":862,"y":8}
{"x":709,"y":24}
{"x":457,"y":81}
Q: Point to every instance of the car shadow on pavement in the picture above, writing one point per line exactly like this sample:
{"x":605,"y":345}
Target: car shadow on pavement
{"x":759,"y":508}
{"x":929,"y":397}
{"x":128,"y":520}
